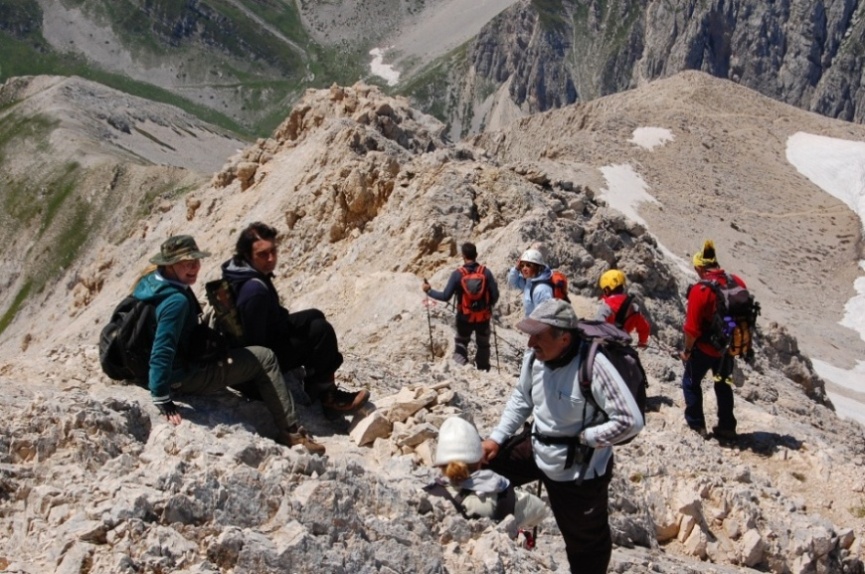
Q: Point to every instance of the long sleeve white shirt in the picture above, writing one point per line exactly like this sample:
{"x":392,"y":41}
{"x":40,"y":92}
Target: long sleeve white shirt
{"x":554,"y":397}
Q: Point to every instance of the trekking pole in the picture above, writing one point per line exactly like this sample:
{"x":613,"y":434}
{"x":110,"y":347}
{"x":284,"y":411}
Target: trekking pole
{"x":496,"y":341}
{"x":428,"y":304}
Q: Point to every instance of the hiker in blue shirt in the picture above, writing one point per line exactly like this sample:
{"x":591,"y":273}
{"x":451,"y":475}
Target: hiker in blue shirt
{"x":533,"y":277}
{"x":300,"y":338}
{"x":172,"y":370}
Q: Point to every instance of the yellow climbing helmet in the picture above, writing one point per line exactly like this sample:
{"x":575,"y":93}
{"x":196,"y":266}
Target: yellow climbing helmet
{"x":611,"y":280}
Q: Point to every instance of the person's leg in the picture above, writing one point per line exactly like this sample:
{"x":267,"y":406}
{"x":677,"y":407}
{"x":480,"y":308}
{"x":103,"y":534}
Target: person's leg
{"x":695,"y":369}
{"x":461,"y":342}
{"x":582,"y":516}
{"x":256,"y":365}
{"x":315,"y":345}
{"x":516,"y":462}
{"x":482,"y":337}
{"x":724,"y":394}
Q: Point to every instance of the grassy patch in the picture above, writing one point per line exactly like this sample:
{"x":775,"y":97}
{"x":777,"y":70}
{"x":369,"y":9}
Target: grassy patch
{"x":20,"y":58}
{"x":429,"y":89}
{"x":858,"y":511}
{"x":551,"y":14}
{"x":57,"y":192}
{"x":10,"y":313}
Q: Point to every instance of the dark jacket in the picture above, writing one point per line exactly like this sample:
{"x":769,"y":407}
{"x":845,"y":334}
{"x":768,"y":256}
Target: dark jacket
{"x":263,"y":318}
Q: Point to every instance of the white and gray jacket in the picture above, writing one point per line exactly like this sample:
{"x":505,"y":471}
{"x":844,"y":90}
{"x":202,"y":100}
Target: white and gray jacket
{"x":554,"y":397}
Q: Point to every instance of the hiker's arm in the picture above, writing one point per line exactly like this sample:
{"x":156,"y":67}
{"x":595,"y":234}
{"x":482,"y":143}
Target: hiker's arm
{"x":171,"y":316}
{"x":489,"y":450}
{"x":493,"y":287}
{"x":450,"y":288}
{"x":690,"y":341}
{"x":516,"y":279}
{"x":519,"y":406}
{"x":625,"y":419}
{"x":604,"y":311}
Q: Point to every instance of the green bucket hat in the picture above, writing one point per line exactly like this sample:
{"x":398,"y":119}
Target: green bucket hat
{"x":178,"y":248}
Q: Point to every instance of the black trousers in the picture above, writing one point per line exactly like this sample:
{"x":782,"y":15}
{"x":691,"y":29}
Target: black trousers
{"x":482,"y":332}
{"x":310,"y":341}
{"x":580,"y":510}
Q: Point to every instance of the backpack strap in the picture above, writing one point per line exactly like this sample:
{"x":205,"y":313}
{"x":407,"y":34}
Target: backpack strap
{"x":622,"y":314}
{"x":572,"y":442}
{"x":438,"y":489}
{"x":545,"y":282}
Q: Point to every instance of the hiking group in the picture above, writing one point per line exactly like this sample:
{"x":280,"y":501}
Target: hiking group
{"x":185,"y":356}
{"x":581,"y":389}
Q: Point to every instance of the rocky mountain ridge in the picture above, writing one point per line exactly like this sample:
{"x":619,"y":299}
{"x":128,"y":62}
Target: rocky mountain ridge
{"x":244,"y":63}
{"x":537,"y":56}
{"x":369,"y":197}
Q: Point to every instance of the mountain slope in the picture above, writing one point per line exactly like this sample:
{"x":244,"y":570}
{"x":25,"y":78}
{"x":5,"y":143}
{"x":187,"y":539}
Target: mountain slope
{"x":80,"y":161}
{"x":369,"y":198}
{"x":541,"y":55}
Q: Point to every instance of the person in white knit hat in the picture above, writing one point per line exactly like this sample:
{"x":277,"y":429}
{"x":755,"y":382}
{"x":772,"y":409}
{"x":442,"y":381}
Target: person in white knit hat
{"x":476,"y":492}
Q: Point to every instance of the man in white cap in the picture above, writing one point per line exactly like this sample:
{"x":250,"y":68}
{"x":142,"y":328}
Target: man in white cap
{"x":570,"y":446}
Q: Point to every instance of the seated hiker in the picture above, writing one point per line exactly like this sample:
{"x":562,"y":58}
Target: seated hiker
{"x":302,"y":338}
{"x":621,"y":309}
{"x":173,"y":366}
{"x":533,"y":276}
{"x":476,"y":492}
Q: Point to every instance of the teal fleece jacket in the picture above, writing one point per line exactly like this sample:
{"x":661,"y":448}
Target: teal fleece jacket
{"x":177,"y":311}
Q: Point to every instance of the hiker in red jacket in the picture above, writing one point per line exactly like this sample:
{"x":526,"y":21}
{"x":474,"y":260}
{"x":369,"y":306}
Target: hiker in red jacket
{"x":700,"y":355}
{"x":621,"y":309}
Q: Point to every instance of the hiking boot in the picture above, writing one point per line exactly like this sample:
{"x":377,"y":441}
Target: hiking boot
{"x":724,"y":434}
{"x":300,"y":437}
{"x":337,"y":399}
{"x":460,"y":359}
{"x":700,"y":431}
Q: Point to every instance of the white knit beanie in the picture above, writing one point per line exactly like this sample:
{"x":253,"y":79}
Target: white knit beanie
{"x":458,"y":442}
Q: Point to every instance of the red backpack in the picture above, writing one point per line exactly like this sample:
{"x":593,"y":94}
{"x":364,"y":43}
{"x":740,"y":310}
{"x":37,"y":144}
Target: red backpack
{"x":559,"y":282}
{"x":475,"y":297}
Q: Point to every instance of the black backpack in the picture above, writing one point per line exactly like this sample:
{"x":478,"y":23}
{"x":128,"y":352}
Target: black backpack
{"x":734,"y":319}
{"x":616,"y":345}
{"x":126,"y":341}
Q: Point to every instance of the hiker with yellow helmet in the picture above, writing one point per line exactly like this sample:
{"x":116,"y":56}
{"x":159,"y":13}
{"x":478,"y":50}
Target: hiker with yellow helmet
{"x":620,"y":308}
{"x":700,"y":355}
{"x":534,"y":277}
